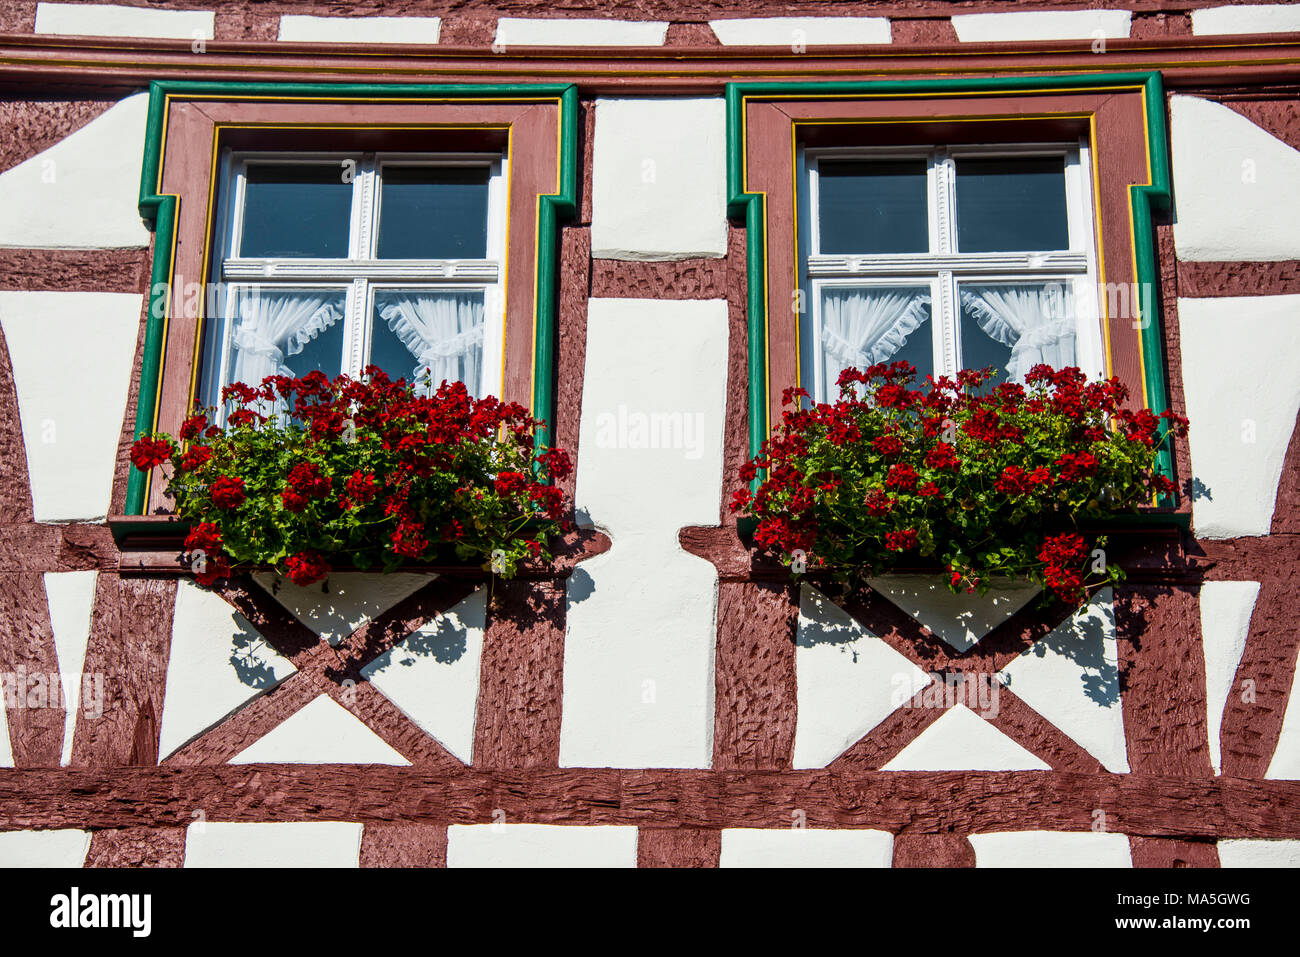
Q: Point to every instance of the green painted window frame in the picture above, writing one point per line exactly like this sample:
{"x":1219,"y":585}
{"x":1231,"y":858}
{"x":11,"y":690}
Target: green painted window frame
{"x":749,"y":208}
{"x":161,"y":211}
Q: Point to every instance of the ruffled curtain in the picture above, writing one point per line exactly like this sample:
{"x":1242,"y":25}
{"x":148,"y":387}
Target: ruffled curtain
{"x":275,"y":324}
{"x":862,"y":325}
{"x":1035,"y":321}
{"x":443,"y":330}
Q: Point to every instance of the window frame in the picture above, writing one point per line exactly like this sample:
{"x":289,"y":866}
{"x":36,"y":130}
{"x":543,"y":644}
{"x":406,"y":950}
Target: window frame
{"x":187,"y":124}
{"x":362,"y":273}
{"x":943,"y":267}
{"x":1124,"y":116}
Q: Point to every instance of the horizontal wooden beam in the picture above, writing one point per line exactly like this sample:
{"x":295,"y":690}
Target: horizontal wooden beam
{"x":900,"y":802}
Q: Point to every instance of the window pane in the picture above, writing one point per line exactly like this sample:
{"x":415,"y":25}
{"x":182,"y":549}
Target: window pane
{"x":864,"y":325}
{"x":299,"y":211}
{"x":1016,"y":326}
{"x":873,"y":207}
{"x":1011,"y":204}
{"x":438,"y":332}
{"x":283,"y":331}
{"x":433,"y":212}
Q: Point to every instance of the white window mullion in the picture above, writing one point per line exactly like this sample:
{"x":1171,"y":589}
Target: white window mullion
{"x":945,"y":312}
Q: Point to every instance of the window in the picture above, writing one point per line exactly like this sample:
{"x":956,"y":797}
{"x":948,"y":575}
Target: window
{"x":948,"y":258}
{"x":334,"y":262}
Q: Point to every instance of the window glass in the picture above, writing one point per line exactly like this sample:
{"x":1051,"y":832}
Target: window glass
{"x":296,"y":211}
{"x":437,"y":330}
{"x":1016,"y":326}
{"x":433,"y":212}
{"x":873,"y":207}
{"x":1011,"y":204}
{"x":864,"y":325}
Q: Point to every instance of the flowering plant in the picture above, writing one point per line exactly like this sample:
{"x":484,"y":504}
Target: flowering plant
{"x":989,"y":481}
{"x":368,"y":471}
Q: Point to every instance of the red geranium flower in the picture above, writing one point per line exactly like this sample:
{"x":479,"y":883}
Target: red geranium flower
{"x":228,"y":492}
{"x":307,"y":567}
{"x":148,"y":452}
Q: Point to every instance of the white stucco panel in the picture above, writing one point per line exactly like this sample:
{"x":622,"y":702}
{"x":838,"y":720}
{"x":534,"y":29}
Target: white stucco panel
{"x":1286,"y":758}
{"x":321,"y":732}
{"x":578,"y":32}
{"x":961,"y":620}
{"x":805,"y":847}
{"x":218,"y":663}
{"x":71,"y":399}
{"x":342,"y":603}
{"x":307,"y":29}
{"x":1051,"y":849}
{"x":849,"y":680}
{"x":1233,"y":186}
{"x":1241,"y":377}
{"x":273,"y":844}
{"x":71,"y":596}
{"x":1071,"y":677}
{"x":63,"y":848}
{"x":6,"y":749}
{"x":1226,"y":608}
{"x":82,"y":192}
{"x":116,"y":20}
{"x":1041,"y":25}
{"x":659,"y":179}
{"x":796,"y":32}
{"x":963,"y":741}
{"x":1247,"y":18}
{"x":432,"y":675}
{"x":638,"y":652}
{"x":540,"y":845}
{"x":1248,"y":852}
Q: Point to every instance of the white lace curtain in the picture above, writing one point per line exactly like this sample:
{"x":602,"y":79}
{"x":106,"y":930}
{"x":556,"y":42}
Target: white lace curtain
{"x":275,"y":324}
{"x":862,"y":325}
{"x":442,"y":330}
{"x":1035,"y":321}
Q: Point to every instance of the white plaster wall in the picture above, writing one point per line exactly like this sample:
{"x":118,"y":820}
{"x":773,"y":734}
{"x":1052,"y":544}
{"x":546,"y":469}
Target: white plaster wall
{"x":1244,"y":852}
{"x":659,"y":179}
{"x":306,"y":29}
{"x":114,"y":20}
{"x":1041,"y":25}
{"x":321,"y":732}
{"x":1036,"y":849}
{"x":63,"y":848}
{"x":278,"y":844}
{"x":6,"y":750}
{"x":1247,"y":18}
{"x":1226,"y":608}
{"x":805,"y":847}
{"x":71,"y":596}
{"x":961,"y":620}
{"x":638,"y":652}
{"x":577,"y":32}
{"x":963,"y":741}
{"x":341,"y":604}
{"x":1286,"y":758}
{"x":432,"y":675}
{"x":1234,"y":195}
{"x":540,"y":845}
{"x":1071,"y":677}
{"x":796,"y":32}
{"x":1241,"y":376}
{"x":71,"y":354}
{"x":82,"y":192}
{"x":218,"y":662}
{"x":849,"y":680}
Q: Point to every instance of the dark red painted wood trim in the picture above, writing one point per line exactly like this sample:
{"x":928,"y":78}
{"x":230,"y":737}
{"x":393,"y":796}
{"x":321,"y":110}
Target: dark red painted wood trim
{"x":404,"y":845}
{"x":678,"y":847}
